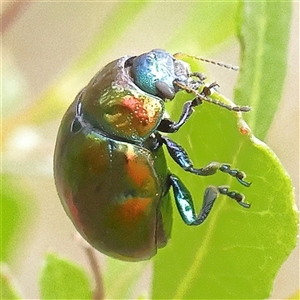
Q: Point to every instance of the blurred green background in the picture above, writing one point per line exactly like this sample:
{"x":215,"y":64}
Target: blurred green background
{"x":42,"y":46}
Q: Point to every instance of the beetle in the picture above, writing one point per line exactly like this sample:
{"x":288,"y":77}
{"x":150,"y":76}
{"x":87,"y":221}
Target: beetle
{"x":109,"y":166}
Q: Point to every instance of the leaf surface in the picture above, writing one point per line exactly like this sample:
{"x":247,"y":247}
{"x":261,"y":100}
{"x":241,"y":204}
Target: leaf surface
{"x":236,"y":252}
{"x":264,"y":34}
{"x":62,"y":279}
{"x":7,"y":290}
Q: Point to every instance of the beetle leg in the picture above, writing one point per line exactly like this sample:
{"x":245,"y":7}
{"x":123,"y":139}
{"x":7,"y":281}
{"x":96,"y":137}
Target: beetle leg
{"x":185,"y":203}
{"x":169,"y":126}
{"x":180,"y":156}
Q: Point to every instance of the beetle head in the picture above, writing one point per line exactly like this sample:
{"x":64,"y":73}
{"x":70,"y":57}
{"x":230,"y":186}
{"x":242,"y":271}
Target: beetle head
{"x":154,"y":72}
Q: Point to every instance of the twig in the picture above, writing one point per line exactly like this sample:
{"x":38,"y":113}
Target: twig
{"x":99,"y":289}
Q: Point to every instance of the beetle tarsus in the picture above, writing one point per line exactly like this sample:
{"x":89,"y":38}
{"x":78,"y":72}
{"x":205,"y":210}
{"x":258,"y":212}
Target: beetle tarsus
{"x":207,"y":89}
{"x":235,"y":173}
{"x":185,"y":203}
{"x":181,"y":157}
{"x":239,"y":198}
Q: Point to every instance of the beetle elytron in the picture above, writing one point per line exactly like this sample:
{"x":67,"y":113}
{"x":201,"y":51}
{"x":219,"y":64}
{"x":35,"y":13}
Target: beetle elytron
{"x":109,"y":165}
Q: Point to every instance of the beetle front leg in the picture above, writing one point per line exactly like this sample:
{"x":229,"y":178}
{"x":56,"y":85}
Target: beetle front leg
{"x":185,"y":203}
{"x":180,"y":156}
{"x":170,"y":126}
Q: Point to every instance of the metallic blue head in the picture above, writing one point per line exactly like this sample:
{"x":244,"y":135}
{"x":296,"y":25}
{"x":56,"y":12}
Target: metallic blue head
{"x":154,"y":73}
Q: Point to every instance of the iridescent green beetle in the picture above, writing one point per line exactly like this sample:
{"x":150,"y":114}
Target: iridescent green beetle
{"x":110,"y":170}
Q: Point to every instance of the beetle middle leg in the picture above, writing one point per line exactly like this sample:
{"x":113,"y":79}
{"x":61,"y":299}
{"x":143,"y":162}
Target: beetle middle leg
{"x":185,"y":203}
{"x":180,"y":156}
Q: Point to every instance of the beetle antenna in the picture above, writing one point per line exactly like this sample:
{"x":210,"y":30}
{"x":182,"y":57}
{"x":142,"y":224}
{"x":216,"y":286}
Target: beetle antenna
{"x":203,"y":96}
{"x":207,"y":60}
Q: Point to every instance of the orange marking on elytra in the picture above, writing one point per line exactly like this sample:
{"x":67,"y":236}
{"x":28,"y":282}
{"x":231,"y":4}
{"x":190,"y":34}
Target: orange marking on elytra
{"x":132,"y":211}
{"x":137,"y":170}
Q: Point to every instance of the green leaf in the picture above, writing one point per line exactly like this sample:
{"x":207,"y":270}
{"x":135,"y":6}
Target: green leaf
{"x":236,"y":252}
{"x":121,"y":277}
{"x":15,"y":207}
{"x":264,"y":36}
{"x":7,"y":290}
{"x":62,"y":279}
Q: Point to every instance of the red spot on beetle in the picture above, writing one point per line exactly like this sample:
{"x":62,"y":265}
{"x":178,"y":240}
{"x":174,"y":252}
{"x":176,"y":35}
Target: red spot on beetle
{"x":132,"y":211}
{"x":139,"y":174}
{"x":137,"y":170}
{"x":136,"y":106}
